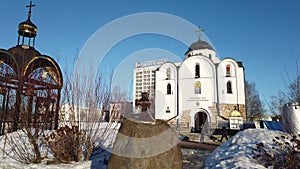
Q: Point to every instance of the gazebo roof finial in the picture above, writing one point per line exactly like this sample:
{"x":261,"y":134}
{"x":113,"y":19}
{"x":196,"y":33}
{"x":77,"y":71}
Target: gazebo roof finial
{"x":29,"y":9}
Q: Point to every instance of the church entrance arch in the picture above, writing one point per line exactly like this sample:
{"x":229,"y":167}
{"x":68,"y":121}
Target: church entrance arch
{"x":200,"y":119}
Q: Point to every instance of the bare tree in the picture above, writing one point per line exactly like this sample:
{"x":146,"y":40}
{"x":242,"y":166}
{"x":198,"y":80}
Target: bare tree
{"x":88,"y":101}
{"x":254,"y":104}
{"x":118,"y":95}
{"x":276,"y":103}
{"x":119,"y":106}
{"x":291,"y":92}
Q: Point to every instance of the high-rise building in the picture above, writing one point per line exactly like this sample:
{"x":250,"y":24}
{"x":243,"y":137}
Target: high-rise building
{"x":144,"y":78}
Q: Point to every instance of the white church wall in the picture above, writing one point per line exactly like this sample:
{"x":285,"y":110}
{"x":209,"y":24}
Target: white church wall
{"x":235,"y":78}
{"x":211,"y":54}
{"x":241,"y":85}
{"x":188,"y":98}
{"x":166,"y":103}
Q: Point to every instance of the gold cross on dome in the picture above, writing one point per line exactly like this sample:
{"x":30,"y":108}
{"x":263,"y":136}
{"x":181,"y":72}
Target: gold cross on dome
{"x":30,"y":6}
{"x":199,"y":31}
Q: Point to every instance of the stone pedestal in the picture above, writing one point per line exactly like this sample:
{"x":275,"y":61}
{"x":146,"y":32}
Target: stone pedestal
{"x":147,"y":146}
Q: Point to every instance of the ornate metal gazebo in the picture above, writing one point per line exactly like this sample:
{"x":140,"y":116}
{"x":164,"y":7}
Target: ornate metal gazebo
{"x":30,"y":84}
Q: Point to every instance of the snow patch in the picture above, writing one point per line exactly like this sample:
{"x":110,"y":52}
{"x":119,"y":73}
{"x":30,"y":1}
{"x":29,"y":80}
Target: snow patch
{"x":237,"y":151}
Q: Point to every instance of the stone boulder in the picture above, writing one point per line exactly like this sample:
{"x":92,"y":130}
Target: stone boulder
{"x":146,"y":145}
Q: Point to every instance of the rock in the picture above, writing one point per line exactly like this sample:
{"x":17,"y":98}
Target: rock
{"x":147,"y":146}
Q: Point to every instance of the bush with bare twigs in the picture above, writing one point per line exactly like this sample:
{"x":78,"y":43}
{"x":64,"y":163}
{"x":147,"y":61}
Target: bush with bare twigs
{"x":86,"y":101}
{"x":66,"y":144}
{"x":284,"y":154}
{"x":25,"y":146}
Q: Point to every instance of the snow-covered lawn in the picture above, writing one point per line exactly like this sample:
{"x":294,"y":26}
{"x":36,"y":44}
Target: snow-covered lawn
{"x":235,"y":153}
{"x":106,"y":135}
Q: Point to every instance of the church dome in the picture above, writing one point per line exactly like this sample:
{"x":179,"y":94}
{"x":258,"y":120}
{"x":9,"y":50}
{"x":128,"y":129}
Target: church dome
{"x":27,"y":29}
{"x":200,"y":45}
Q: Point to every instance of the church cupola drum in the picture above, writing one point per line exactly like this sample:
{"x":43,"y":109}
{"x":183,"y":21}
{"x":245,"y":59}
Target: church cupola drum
{"x":30,"y":83}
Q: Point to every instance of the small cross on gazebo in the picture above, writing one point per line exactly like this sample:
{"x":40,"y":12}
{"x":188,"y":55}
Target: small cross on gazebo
{"x":29,"y":8}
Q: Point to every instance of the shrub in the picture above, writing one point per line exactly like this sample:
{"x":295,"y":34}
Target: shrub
{"x":284,"y":154}
{"x":67,"y":144}
{"x":24,"y":145}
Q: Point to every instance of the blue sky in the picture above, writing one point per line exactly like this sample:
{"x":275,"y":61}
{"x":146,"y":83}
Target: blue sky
{"x":263,"y":34}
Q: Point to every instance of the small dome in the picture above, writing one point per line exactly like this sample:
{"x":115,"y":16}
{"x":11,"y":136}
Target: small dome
{"x":200,"y":45}
{"x":27,"y":29}
{"x":235,"y":113}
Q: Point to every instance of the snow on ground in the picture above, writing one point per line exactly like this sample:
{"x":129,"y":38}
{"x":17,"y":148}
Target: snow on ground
{"x":107,"y":131}
{"x":237,"y":151}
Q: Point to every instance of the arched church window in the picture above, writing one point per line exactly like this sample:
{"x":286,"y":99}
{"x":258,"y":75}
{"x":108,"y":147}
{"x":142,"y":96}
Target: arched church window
{"x":197,"y":71}
{"x":197,"y":87}
{"x":228,"y":74}
{"x":168,"y":73}
{"x":229,"y":87}
{"x":169,"y":88}
{"x":209,"y":56}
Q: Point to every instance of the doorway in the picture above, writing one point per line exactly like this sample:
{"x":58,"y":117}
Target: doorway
{"x":200,"y":119}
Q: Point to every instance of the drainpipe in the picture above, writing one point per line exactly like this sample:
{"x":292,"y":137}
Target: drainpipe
{"x":237,"y":91}
{"x":217,"y":86}
{"x":218,"y":96}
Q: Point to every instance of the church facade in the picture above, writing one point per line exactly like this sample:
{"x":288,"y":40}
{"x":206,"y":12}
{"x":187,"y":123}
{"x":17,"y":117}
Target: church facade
{"x":200,"y":90}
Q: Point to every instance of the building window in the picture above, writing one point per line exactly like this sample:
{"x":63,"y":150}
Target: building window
{"x":228,"y":71}
{"x":229,"y":87}
{"x":197,"y":87}
{"x":169,"y":88}
{"x":168,"y":73}
{"x":197,"y":71}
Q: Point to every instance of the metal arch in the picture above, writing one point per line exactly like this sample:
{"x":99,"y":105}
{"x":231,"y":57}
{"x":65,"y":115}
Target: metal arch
{"x":53,"y":64}
{"x":12,"y":64}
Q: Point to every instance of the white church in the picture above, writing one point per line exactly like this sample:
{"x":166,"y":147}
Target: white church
{"x":201,"y":90}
